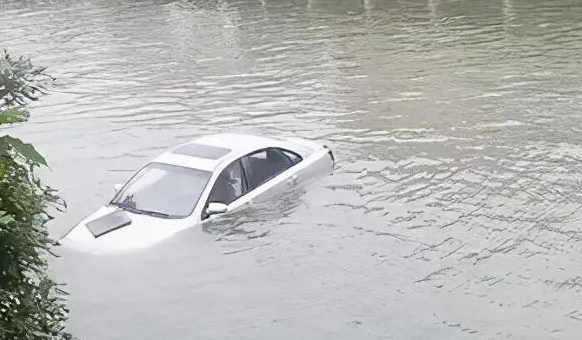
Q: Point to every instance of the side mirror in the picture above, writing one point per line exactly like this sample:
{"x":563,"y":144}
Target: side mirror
{"x":216,"y":208}
{"x":116,"y":187}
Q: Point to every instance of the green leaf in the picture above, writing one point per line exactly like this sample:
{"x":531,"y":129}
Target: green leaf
{"x":13,"y":115}
{"x":24,"y":149}
{"x":5,"y":219}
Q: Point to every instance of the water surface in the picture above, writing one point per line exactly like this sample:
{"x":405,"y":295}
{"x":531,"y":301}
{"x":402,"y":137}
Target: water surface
{"x":454,"y":211}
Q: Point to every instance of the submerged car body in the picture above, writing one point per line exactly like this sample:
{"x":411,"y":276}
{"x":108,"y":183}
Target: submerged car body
{"x":195,"y":182}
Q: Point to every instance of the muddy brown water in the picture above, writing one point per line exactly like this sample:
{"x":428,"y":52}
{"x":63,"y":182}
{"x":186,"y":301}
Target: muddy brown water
{"x":454,"y":210}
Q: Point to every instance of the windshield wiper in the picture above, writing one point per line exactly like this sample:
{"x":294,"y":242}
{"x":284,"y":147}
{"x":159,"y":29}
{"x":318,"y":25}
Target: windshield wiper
{"x":139,"y":211}
{"x":122,"y":206}
{"x":151,"y":213}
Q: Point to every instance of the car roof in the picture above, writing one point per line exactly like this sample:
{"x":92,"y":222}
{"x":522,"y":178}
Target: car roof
{"x":209,"y":151}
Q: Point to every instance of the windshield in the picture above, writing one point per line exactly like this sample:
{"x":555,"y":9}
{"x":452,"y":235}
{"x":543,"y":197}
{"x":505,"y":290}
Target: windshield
{"x":163,"y":190}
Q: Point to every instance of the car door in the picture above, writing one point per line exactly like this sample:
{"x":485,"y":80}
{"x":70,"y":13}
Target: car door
{"x":259,"y":176}
{"x":229,"y":187}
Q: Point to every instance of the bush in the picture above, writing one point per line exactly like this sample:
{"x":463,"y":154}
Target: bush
{"x":32,"y":305}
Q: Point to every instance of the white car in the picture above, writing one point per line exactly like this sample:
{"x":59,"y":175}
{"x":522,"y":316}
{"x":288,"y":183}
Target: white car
{"x":195,"y":182}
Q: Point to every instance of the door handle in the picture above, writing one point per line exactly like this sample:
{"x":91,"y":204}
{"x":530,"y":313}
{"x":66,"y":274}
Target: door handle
{"x":293,"y":179}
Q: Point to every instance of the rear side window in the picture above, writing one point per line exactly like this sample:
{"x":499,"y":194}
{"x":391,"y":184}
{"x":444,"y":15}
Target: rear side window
{"x":263,"y":165}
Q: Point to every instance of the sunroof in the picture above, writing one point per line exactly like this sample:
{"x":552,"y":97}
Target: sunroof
{"x":202,"y":151}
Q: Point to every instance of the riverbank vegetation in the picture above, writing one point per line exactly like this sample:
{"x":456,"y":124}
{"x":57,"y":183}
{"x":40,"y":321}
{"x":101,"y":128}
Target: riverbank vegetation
{"x":32,"y":305}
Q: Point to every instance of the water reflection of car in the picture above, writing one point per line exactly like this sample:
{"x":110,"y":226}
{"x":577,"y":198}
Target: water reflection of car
{"x":195,"y":182}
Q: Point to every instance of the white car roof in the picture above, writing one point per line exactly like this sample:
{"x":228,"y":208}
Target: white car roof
{"x":208,"y":152}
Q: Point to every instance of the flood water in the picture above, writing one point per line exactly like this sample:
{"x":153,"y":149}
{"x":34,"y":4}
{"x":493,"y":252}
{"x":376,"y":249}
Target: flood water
{"x":454,"y":209}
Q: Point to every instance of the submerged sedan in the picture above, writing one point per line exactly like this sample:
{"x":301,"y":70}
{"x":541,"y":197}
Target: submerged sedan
{"x":196,"y":182}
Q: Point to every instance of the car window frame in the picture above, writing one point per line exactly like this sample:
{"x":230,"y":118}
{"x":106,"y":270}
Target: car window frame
{"x":244,"y":169}
{"x":297,"y":156}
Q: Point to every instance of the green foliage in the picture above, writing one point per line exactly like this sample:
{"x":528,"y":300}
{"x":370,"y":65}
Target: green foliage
{"x":13,"y":115}
{"x":20,"y":81}
{"x":32,"y":305}
{"x":24,"y":150}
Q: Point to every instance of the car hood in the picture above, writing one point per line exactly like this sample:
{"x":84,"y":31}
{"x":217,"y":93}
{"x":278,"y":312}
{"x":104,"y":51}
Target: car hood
{"x":110,"y":229}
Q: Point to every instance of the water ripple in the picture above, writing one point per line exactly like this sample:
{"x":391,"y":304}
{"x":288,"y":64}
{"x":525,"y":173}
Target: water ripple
{"x":456,"y":130}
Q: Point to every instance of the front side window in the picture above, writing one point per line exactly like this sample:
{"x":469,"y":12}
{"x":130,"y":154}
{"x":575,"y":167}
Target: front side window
{"x":229,"y":185}
{"x":163,"y":190}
